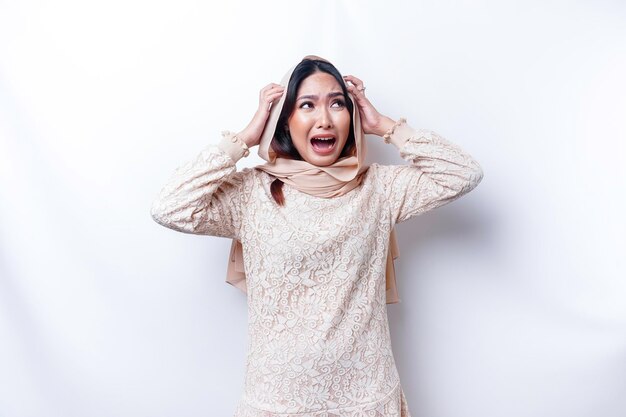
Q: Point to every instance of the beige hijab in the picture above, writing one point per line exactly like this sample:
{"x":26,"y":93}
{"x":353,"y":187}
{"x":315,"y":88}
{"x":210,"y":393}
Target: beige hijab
{"x":329,"y":181}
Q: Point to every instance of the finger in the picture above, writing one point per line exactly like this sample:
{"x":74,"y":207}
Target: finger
{"x":356,"y":92}
{"x":273,"y":90}
{"x":271,"y":86}
{"x":272,"y":97}
{"x":353,"y":79}
{"x":348,"y":81}
{"x":274,"y":93}
{"x":277,"y":94}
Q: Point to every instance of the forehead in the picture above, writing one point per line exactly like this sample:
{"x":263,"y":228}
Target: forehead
{"x":318,"y":82}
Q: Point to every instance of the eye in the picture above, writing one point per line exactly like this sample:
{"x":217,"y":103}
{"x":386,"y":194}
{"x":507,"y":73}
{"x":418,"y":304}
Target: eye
{"x":340,"y":102}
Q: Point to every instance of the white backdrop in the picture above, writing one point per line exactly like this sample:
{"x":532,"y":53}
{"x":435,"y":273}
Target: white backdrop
{"x":513,"y":297}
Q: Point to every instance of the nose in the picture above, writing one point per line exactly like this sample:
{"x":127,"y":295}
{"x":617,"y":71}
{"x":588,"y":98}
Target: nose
{"x":324,"y":120}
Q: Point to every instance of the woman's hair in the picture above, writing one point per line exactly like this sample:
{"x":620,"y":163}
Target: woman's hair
{"x":282,"y":143}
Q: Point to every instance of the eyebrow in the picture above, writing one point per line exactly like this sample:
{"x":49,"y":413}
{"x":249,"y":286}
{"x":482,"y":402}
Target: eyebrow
{"x":333,"y":94}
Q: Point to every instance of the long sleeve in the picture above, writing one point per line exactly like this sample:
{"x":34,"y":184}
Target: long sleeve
{"x":206,"y":195}
{"x":438,"y":172}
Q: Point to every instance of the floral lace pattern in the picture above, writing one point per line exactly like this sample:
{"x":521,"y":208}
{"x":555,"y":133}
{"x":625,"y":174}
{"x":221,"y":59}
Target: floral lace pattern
{"x":394,"y":404}
{"x":319,"y":341}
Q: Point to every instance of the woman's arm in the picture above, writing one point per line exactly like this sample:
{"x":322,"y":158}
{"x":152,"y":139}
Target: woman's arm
{"x":438,"y":172}
{"x":206,"y":195}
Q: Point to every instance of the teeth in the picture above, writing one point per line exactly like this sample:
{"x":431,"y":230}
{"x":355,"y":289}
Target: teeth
{"x":324,"y":138}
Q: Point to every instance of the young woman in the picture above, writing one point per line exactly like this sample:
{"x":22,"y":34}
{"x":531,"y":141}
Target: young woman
{"x":314,"y":239}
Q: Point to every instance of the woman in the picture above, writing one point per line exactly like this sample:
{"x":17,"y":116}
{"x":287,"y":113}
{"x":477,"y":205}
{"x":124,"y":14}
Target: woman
{"x":313,"y":238}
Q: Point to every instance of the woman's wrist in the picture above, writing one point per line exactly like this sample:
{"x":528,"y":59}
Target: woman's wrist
{"x":399,"y":133}
{"x":385,"y":126}
{"x":234,"y":145}
{"x":246,"y":138}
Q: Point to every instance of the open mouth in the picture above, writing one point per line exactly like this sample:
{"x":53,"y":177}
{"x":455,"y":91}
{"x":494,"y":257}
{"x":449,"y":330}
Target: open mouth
{"x":323,"y":145}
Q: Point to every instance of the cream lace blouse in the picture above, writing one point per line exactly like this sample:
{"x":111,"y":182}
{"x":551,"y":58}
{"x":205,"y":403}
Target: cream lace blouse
{"x":318,"y":335}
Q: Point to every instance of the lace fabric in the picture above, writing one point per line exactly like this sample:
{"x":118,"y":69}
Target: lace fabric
{"x":393,"y":404}
{"x":319,"y":342}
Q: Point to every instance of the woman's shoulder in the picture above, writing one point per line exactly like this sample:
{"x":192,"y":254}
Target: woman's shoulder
{"x":244,"y":179}
{"x":382,"y":172}
{"x":382,"y":177}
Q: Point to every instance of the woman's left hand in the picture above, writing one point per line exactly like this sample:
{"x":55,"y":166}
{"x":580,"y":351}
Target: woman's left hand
{"x":371,"y":120}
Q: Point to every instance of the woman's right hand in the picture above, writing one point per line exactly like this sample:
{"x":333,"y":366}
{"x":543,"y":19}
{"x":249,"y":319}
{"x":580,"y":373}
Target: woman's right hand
{"x":252,"y":133}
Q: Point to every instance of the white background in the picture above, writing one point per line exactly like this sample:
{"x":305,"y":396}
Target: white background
{"x":513,"y":297}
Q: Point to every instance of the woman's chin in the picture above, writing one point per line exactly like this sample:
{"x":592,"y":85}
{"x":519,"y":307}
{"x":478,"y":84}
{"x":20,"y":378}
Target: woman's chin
{"x":321,"y":160}
{"x":322,"y":157}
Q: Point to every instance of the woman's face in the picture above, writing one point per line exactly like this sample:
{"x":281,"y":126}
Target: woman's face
{"x":320,"y":111}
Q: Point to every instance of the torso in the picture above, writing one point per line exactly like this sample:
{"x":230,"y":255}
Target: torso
{"x":315,"y":271}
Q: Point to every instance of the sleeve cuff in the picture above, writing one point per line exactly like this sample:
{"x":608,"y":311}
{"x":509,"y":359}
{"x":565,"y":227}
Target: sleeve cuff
{"x":400,"y":133}
{"x":230,"y":144}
